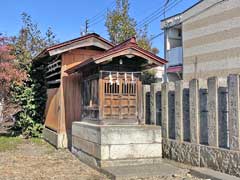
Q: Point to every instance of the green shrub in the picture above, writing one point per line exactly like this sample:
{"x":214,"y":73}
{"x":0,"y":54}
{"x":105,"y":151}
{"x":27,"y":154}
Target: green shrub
{"x":148,"y":77}
{"x":32,"y":99}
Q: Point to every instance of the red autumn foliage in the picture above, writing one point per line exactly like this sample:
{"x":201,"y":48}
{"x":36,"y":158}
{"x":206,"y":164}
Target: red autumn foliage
{"x":9,"y":71}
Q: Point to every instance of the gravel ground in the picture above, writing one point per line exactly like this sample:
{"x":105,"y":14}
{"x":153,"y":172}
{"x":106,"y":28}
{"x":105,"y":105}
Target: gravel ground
{"x":37,"y":160}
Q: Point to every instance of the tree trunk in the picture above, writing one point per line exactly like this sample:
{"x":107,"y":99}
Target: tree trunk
{"x":1,"y":108}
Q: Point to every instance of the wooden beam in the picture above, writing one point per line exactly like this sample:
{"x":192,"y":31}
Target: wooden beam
{"x":53,"y":82}
{"x":53,"y":74}
{"x":53,"y":66}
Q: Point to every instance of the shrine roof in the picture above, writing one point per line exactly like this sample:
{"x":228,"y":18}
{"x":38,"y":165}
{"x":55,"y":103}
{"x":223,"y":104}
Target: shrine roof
{"x":128,"y":47}
{"x":92,"y":39}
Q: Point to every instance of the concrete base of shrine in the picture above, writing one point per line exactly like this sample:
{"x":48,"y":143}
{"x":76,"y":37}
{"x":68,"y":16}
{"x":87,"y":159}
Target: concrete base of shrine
{"x":116,"y":145}
{"x":56,"y":139}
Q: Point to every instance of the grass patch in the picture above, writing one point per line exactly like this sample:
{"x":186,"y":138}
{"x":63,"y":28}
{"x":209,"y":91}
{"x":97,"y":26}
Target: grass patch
{"x":9,"y":143}
{"x":41,"y":142}
{"x":38,"y":141}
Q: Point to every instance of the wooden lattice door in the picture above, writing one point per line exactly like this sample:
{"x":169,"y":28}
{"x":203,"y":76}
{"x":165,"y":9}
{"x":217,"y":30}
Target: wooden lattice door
{"x":120,"y":96}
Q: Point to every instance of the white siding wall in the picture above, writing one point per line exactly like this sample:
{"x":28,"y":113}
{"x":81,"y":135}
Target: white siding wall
{"x":211,"y":39}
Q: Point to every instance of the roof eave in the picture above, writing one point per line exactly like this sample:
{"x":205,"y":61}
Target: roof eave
{"x":47,"y":51}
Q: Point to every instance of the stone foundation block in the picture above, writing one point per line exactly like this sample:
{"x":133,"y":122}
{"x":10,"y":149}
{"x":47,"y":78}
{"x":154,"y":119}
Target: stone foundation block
{"x":116,"y":145}
{"x":181,"y":151}
{"x":56,"y":139}
{"x":223,"y":160}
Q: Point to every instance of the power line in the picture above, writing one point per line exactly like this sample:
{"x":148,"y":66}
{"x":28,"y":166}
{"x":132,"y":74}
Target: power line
{"x":101,"y":15}
{"x":194,"y":15}
{"x":152,"y":14}
{"x":159,"y":14}
{"x":156,"y":36}
{"x":97,"y":22}
{"x":101,"y":12}
{"x":172,"y":5}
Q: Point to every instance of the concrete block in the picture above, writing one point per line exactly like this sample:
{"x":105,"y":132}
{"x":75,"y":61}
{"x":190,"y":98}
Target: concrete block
{"x":50,"y":136}
{"x":194,"y":110}
{"x":181,"y":151}
{"x":213,"y":111}
{"x":91,"y":133}
{"x":138,"y":134}
{"x":105,"y":152}
{"x":234,"y":112}
{"x":131,"y":163}
{"x":86,"y":158}
{"x":91,"y":148}
{"x":103,"y":145}
{"x":223,"y":160}
{"x":179,"y":110}
{"x":59,"y":140}
{"x":165,"y":89}
{"x":135,"y":151}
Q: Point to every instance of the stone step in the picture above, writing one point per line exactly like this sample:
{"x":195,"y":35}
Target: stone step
{"x":144,"y":171}
{"x":211,"y":174}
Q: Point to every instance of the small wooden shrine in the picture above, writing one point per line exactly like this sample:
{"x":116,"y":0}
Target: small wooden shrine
{"x":89,"y":79}
{"x":111,"y":84}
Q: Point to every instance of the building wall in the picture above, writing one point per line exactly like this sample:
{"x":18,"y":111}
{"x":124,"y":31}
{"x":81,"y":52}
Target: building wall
{"x":174,"y":39}
{"x":71,"y":86}
{"x":159,"y":72}
{"x":52,"y":114}
{"x":64,"y":103}
{"x":211,"y":39}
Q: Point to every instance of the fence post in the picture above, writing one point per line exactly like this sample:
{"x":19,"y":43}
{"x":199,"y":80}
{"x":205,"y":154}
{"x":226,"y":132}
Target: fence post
{"x":234,"y":118}
{"x":194,"y":110}
{"x":153,"y":118}
{"x":165,"y":89}
{"x":145,"y":89}
{"x":179,"y":110}
{"x":212,"y":104}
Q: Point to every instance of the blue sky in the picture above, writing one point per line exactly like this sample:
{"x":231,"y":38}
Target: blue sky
{"x":67,"y":17}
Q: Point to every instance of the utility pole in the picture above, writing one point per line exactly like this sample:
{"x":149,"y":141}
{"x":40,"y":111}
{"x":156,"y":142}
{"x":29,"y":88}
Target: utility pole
{"x":165,"y":77}
{"x":86,"y":26}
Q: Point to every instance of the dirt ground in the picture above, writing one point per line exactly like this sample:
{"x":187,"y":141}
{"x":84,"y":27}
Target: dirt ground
{"x":37,"y":160}
{"x":34,"y":159}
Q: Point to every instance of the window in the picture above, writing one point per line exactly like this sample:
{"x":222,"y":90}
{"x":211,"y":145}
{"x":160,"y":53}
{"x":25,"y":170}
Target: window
{"x":180,"y":32}
{"x":111,"y":88}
